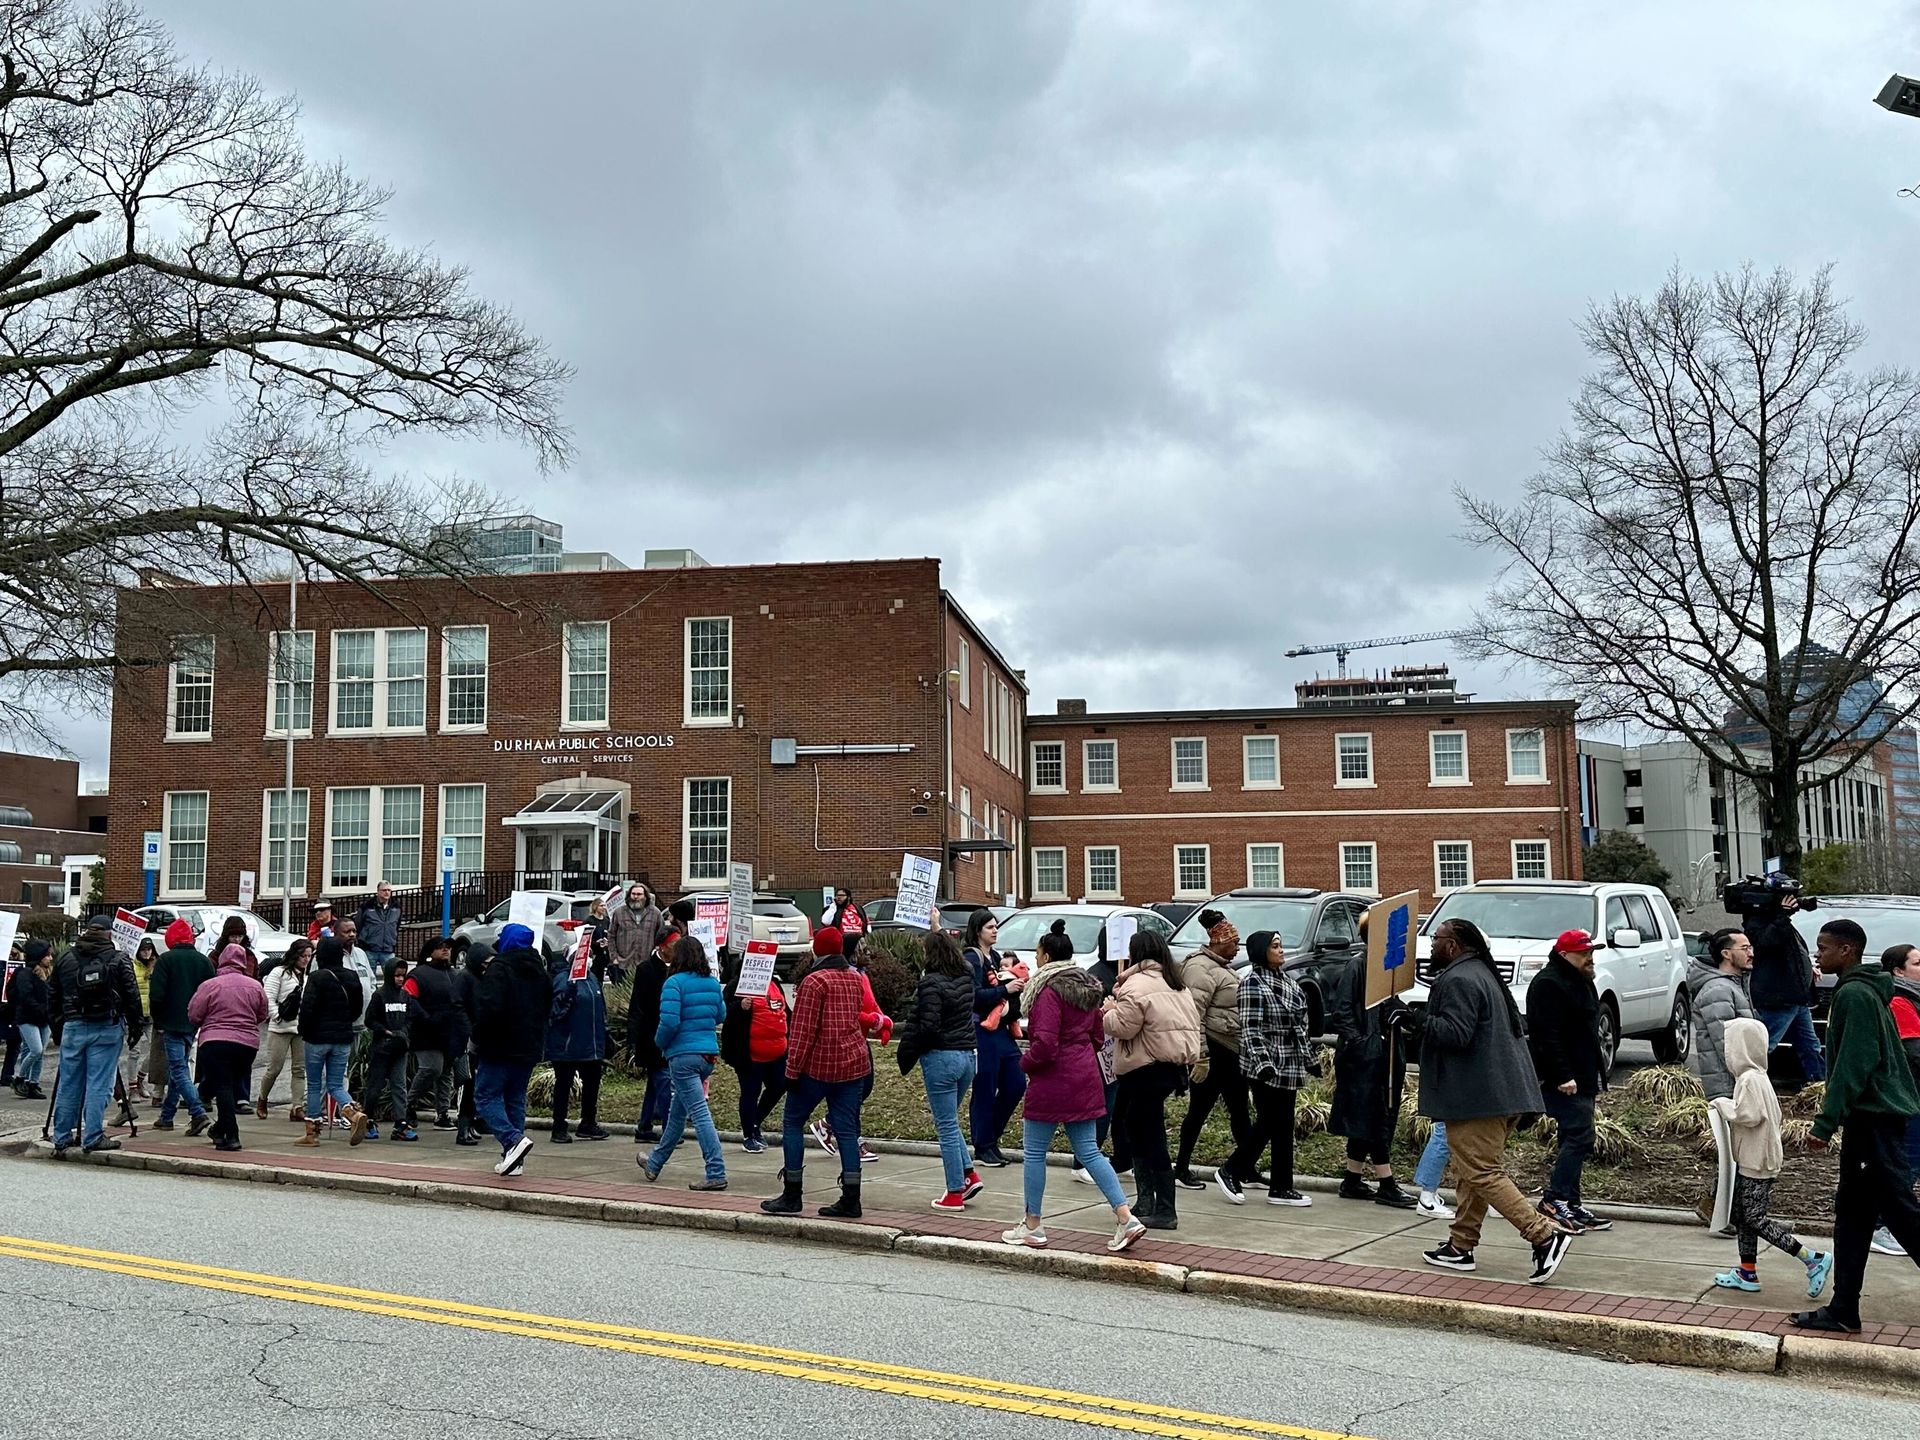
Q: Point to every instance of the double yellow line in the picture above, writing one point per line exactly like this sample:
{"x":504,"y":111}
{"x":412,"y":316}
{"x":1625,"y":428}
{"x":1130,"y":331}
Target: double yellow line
{"x":1006,"y":1396}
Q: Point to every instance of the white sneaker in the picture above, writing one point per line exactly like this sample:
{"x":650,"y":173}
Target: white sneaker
{"x":514,"y":1159}
{"x":1432,"y":1207}
{"x":823,"y":1137}
{"x":1035,"y":1239}
{"x":1884,"y":1243}
{"x":1082,"y":1175}
{"x":1124,"y":1234}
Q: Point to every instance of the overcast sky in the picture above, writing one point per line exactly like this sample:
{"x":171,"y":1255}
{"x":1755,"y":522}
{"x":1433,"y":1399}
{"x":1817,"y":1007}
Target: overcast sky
{"x":1169,"y":328}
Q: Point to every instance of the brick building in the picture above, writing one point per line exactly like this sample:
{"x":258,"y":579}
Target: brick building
{"x":1141,"y":806}
{"x":653,"y":723}
{"x":45,"y":822}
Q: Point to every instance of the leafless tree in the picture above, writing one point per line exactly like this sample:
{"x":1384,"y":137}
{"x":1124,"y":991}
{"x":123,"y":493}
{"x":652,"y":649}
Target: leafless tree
{"x":200,"y":328}
{"x":1721,"y":545}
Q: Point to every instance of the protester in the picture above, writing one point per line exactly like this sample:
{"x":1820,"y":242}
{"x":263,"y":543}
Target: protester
{"x":999,"y":1082}
{"x":1563,"y":1039}
{"x":939,"y":1038}
{"x":1717,"y":987}
{"x":1902,"y":962}
{"x":1752,"y":1114}
{"x":1215,"y":987}
{"x":9,"y":1033}
{"x":632,"y":930}
{"x":134,"y":1061}
{"x":1476,"y":1075}
{"x":378,"y":925}
{"x":227,"y":1013}
{"x":357,"y":960}
{"x":32,"y":997}
{"x":1157,"y":1035}
{"x":827,"y":1062}
{"x":577,"y":1045}
{"x":643,"y":1020}
{"x":390,"y":1021}
{"x":329,"y":1003}
{"x":1870,"y":1098}
{"x":1783,"y":975}
{"x":234,"y":931}
{"x":510,"y":1007}
{"x":95,"y":1008}
{"x":753,"y":1041}
{"x":430,"y":981}
{"x":286,"y":987}
{"x":180,"y":971}
{"x":871,"y":1016}
{"x":846,"y":917}
{"x":321,"y":926}
{"x":466,"y":978}
{"x":1104,"y":972}
{"x":1369,"y":1080}
{"x":692,"y":1005}
{"x":1276,"y":1059}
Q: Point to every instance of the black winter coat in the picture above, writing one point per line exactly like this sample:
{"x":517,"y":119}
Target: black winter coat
{"x":510,"y":1009}
{"x":391,"y":1019}
{"x":1563,"y":1028}
{"x":643,"y":1014}
{"x":330,"y":1006}
{"x":1366,"y":1088}
{"x":435,"y":987}
{"x":460,"y":1017}
{"x":1782,"y":974}
{"x":32,"y":998}
{"x":63,"y":1000}
{"x":942,"y":1018}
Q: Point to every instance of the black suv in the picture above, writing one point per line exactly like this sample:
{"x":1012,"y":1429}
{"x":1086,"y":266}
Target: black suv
{"x":1319,"y":928}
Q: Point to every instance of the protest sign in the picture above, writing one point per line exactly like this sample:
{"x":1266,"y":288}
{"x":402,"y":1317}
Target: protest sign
{"x":739,"y":906}
{"x":756,"y":969}
{"x":1120,"y":930}
{"x":919,"y":883}
{"x":127,"y":930}
{"x":528,"y":908}
{"x":1390,"y":927}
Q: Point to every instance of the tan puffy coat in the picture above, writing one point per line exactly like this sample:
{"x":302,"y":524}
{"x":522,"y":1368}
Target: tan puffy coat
{"x":1215,"y":987}
{"x":1149,"y":1021}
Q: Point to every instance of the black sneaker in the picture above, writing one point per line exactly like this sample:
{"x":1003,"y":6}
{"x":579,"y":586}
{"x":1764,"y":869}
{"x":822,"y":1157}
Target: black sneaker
{"x":1588,"y":1220}
{"x":1287,"y":1197}
{"x":1229,"y":1185}
{"x":1186,"y":1181}
{"x":198,"y":1126}
{"x":1353,"y":1187}
{"x":445,"y":1122}
{"x":1561,"y":1214}
{"x":992,"y":1159}
{"x":1393,"y":1197}
{"x":1547,"y":1258}
{"x":1449,"y":1257}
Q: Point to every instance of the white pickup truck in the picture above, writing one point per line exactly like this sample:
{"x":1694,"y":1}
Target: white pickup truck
{"x":1639,"y":970}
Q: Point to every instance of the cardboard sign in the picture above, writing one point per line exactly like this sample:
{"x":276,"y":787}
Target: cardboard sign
{"x":582,"y":956}
{"x":756,"y":968}
{"x":739,"y":906}
{"x":246,"y":889}
{"x":1390,"y":941}
{"x":1120,"y":930}
{"x":526,"y":908}
{"x":919,"y":886}
{"x":9,"y":932}
{"x":127,"y":930}
{"x":704,"y":930}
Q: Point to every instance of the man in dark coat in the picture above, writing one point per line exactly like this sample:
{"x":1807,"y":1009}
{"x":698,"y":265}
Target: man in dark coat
{"x":431,"y":983}
{"x":1563,"y":1037}
{"x":643,"y":1020}
{"x":510,"y":1005}
{"x":95,"y":1005}
{"x":1783,"y":975}
{"x":1369,"y":1079}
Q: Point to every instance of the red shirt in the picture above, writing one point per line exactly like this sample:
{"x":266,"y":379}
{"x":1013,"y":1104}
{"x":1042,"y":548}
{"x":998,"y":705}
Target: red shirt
{"x":826,"y":1038}
{"x":1906,"y":1018}
{"x":767,"y":1025}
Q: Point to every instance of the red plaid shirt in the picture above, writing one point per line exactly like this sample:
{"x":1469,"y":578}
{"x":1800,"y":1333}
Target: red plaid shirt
{"x":825,"y":1038}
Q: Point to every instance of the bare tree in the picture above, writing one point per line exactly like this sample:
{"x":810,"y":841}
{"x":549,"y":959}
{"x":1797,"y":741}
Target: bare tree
{"x":198,"y":325}
{"x":1721,"y":544}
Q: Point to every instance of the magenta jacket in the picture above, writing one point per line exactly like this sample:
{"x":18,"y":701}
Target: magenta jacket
{"x":1064,"y":1036}
{"x":231,"y":1006}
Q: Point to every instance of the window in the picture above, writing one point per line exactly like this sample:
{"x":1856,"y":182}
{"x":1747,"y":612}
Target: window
{"x":1636,"y":815}
{"x":183,"y":858}
{"x":1526,"y":757}
{"x":1049,"y":873}
{"x":1359,"y":868}
{"x":1266,"y":866}
{"x":709,"y":671}
{"x":1353,"y":756}
{"x":463,"y":677}
{"x":1100,"y":764}
{"x":1640,"y":916}
{"x":1447,"y":757}
{"x":966,"y":814}
{"x":986,"y":711}
{"x":1260,"y":762}
{"x":285,"y":863}
{"x":707,"y":838}
{"x":190,"y":689}
{"x":463,"y":811}
{"x":1452,"y":864}
{"x":1631,"y":778}
{"x":583,"y":683}
{"x":380,"y":680}
{"x":290,"y":682}
{"x":373,"y":834}
{"x":1050,"y":766}
{"x":43,"y":857}
{"x":965,"y":667}
{"x":1193,"y":871}
{"x":1103,"y":870}
{"x":1531,"y":861}
{"x":1190,"y":764}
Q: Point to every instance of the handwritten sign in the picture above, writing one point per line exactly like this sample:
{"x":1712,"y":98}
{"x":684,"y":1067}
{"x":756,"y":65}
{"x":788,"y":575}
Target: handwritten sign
{"x":1390,"y":940}
{"x":528,"y":908}
{"x":756,"y":969}
{"x":919,"y":886}
{"x":1120,"y":930}
{"x":704,"y":930}
{"x":9,"y":931}
{"x":739,"y":906}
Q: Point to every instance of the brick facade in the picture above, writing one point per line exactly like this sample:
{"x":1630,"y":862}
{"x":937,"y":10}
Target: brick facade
{"x":64,"y":822}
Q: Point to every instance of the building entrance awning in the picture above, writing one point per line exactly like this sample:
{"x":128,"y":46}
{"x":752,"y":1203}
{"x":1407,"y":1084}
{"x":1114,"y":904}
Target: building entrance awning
{"x":589,"y":809}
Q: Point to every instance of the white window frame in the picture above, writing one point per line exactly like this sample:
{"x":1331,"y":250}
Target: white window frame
{"x":1513,"y":857}
{"x":1174,"y":782}
{"x":1340,"y":781}
{"x":175,"y":735}
{"x":566,"y":677}
{"x":1246,"y":763}
{"x":1087,"y":787}
{"x":381,"y":681}
{"x":1034,"y":748}
{"x":301,"y":814}
{"x":986,"y":710}
{"x":966,"y":818}
{"x":440,"y":818}
{"x":376,"y":841}
{"x":1434,"y":777}
{"x":1041,"y":892}
{"x":166,"y":889}
{"x":1086,"y":863}
{"x":1440,"y":887}
{"x":1540,"y":779}
{"x":1280,"y":858}
{"x":687,"y":877}
{"x":1205,"y":892}
{"x":447,"y":724}
{"x":293,"y":684}
{"x":692,"y":721}
{"x":965,"y":667}
{"x":1373,"y":863}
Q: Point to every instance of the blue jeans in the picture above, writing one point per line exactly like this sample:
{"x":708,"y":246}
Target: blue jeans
{"x":500,"y":1095}
{"x":326,"y":1075}
{"x":689,"y":1075}
{"x":1038,"y":1136}
{"x":843,"y":1117}
{"x":948,"y":1075}
{"x":180,"y":1084}
{"x":1795,"y":1026}
{"x":1433,"y":1160}
{"x":657,"y":1101}
{"x":89,"y":1062}
{"x":33,"y":1049}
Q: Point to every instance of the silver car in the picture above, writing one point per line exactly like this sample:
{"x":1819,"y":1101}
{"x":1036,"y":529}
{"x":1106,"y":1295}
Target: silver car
{"x":567,"y":911}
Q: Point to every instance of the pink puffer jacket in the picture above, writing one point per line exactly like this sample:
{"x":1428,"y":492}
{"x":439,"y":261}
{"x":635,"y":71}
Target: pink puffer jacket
{"x":232,"y":1005}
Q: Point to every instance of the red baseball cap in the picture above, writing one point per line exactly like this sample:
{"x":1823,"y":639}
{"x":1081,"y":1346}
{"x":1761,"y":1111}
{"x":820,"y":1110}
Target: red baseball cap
{"x":1573,"y":942}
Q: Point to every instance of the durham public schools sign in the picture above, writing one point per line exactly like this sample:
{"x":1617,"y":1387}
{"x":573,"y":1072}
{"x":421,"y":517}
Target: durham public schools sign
{"x":600,"y":749}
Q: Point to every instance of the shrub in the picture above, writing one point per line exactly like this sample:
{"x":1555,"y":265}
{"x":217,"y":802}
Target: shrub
{"x":1663,"y":1086}
{"x":1684,"y":1119}
{"x":894,"y":981}
{"x":1310,"y":1116}
{"x":1614,"y":1143}
{"x":902,"y":945}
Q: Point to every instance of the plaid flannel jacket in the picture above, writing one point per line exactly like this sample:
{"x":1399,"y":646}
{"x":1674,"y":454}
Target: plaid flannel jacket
{"x":1275,"y":1048}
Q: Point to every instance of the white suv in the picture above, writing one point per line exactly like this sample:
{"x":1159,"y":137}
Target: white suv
{"x":1639,"y":969}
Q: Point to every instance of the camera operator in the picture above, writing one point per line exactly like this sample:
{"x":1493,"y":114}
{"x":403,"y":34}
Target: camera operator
{"x":1783,"y":974}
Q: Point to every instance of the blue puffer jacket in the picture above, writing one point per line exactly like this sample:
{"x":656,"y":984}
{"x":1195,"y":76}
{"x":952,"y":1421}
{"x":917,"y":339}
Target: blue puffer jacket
{"x":691,"y":1009}
{"x":577,"y":1024}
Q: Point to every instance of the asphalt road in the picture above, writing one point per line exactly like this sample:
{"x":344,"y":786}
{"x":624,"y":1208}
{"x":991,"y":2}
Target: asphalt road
{"x":91,"y":1351}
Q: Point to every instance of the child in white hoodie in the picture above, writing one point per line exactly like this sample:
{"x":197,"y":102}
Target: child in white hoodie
{"x":1753,"y":1126}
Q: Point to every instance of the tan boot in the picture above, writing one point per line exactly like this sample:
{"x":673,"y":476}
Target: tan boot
{"x":357,"y":1118}
{"x":312,"y":1137}
{"x":297,"y":1114}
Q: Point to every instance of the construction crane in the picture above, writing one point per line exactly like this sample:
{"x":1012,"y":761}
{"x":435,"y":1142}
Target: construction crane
{"x":1343,"y":648}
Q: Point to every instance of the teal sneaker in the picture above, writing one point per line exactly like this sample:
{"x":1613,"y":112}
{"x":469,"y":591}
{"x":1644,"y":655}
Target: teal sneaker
{"x":1818,"y":1270}
{"x":1734,"y":1280}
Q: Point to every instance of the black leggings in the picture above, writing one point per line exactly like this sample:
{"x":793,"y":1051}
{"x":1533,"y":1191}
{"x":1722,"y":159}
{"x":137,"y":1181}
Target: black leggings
{"x":563,"y":1073}
{"x":762,"y":1083}
{"x":225,"y":1066}
{"x":1224,"y":1082}
{"x":1752,"y":1223}
{"x":1141,"y":1103}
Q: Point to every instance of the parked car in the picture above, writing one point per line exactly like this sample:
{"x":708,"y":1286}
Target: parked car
{"x":1319,"y":928}
{"x":1887,"y":919}
{"x":1639,"y":969}
{"x":775,"y":918}
{"x":1020,"y":932}
{"x":269,"y":942}
{"x":567,"y":911}
{"x":953,"y":915}
{"x":1173,"y":911}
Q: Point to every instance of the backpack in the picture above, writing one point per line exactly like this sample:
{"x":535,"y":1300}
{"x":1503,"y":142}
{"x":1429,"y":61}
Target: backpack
{"x":290,"y":1004}
{"x":94,"y":993}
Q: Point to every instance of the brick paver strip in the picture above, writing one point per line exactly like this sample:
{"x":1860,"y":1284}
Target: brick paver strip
{"x":1226,"y":1261}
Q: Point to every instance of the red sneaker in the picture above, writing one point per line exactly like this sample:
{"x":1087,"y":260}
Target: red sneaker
{"x":973,"y":1186}
{"x":952,"y":1200}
